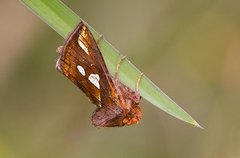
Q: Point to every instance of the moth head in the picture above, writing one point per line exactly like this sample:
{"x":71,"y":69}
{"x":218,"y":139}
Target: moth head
{"x":112,"y":116}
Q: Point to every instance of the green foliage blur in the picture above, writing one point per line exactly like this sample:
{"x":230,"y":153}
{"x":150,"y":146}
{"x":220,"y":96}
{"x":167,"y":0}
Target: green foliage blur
{"x":190,"y":49}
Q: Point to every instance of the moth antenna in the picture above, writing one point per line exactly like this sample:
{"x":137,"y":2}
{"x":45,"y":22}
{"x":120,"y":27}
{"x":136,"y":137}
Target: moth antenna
{"x":138,"y":82}
{"x":99,"y":39}
{"x":123,"y":57}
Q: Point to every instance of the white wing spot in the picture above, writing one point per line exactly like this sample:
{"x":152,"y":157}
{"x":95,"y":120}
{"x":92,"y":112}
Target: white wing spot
{"x":94,"y":79}
{"x":83,"y":46}
{"x":81,"y":70}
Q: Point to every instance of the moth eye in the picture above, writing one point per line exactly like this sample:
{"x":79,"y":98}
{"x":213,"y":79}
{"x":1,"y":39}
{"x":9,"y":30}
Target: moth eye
{"x":94,"y":79}
{"x":81,"y":70}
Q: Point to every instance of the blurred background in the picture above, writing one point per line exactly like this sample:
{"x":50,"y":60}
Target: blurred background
{"x":190,"y":49}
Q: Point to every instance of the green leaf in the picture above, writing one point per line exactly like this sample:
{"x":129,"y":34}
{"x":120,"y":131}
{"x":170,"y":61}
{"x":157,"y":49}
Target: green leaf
{"x":63,"y":20}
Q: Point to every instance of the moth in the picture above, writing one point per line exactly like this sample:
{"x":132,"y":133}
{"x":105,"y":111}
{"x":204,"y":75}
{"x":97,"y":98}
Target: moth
{"x":81,"y":61}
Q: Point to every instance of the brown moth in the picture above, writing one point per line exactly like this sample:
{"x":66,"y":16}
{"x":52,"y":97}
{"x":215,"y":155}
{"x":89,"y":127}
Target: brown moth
{"x":81,"y":61}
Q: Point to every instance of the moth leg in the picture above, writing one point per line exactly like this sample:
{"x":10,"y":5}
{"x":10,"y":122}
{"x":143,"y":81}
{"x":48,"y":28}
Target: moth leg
{"x":99,"y":39}
{"x":138,"y":82}
{"x":123,"y":57}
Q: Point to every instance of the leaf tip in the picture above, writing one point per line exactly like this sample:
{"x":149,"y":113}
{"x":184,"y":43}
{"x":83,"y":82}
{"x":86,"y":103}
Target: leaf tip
{"x":197,"y":125}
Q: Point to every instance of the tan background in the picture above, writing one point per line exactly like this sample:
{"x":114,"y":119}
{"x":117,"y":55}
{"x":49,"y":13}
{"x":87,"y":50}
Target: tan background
{"x":191,"y":49}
